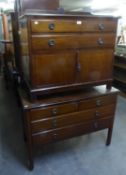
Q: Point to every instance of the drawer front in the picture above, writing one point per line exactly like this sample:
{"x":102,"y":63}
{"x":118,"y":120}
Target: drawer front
{"x":72,"y":118}
{"x":53,"y":42}
{"x":71,"y":131}
{"x":57,"y":25}
{"x":101,"y":25}
{"x":75,"y":25}
{"x":41,"y":113}
{"x":97,"y":102}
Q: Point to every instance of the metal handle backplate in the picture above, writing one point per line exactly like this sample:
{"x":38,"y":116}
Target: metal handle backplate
{"x":97,"y":114}
{"x":54,"y":111}
{"x":101,"y":26}
{"x":100,"y":41}
{"x":51,"y":42}
{"x":98,"y":103}
{"x":51,"y":26}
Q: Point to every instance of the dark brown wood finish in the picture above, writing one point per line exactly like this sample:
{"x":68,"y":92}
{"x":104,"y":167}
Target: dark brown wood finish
{"x":72,"y":118}
{"x":73,"y":25}
{"x":53,"y":69}
{"x":95,"y":65}
{"x":71,"y":41}
{"x":71,"y":131}
{"x":65,"y":52}
{"x":66,"y":115}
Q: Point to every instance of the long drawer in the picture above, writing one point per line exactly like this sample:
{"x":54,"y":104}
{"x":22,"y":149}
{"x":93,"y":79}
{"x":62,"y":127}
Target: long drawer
{"x":72,"y":118}
{"x":71,"y":131}
{"x":41,"y":113}
{"x":72,"y":25}
{"x":56,"y":110}
{"x":52,"y":42}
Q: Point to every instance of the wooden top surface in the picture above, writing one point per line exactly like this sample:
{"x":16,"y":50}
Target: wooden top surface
{"x":64,"y":97}
{"x":65,"y":14}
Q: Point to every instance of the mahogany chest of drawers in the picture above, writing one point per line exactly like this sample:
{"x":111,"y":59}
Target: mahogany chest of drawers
{"x":61,"y":52}
{"x":67,"y":115}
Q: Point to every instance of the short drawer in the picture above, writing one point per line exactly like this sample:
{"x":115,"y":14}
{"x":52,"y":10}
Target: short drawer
{"x":53,"y":42}
{"x":97,"y":102}
{"x":41,"y":113}
{"x":101,"y":25}
{"x":73,"y":25}
{"x":72,"y":118}
{"x":71,"y":131}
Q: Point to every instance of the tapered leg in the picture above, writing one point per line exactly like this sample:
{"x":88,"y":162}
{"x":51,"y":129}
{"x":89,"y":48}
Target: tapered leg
{"x":109,"y":137}
{"x":30,"y":162}
{"x":29,"y":142}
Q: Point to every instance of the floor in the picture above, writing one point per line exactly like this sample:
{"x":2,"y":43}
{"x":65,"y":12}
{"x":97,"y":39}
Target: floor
{"x":85,"y":155}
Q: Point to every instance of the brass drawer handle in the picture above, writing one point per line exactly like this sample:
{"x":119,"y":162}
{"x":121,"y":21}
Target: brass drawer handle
{"x":101,"y":26}
{"x":51,"y":26}
{"x":51,"y":42}
{"x":100,"y":41}
{"x":54,"y":123}
{"x":98,"y":103}
{"x":54,"y":111}
{"x":97,"y":114}
{"x":55,"y":136}
{"x":78,"y":67}
{"x":96,"y":125}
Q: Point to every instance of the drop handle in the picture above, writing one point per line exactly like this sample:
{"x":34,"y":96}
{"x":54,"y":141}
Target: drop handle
{"x":78,"y":67}
{"x":54,"y":123}
{"x":97,"y":114}
{"x":101,"y":26}
{"x":98,"y":103}
{"x":100,"y":41}
{"x":55,"y":136}
{"x":96,"y":125}
{"x":54,"y":111}
{"x":51,"y":42}
{"x":51,"y":26}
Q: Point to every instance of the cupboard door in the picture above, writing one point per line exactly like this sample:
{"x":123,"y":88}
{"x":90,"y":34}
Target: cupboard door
{"x":53,"y":69}
{"x":95,"y":65}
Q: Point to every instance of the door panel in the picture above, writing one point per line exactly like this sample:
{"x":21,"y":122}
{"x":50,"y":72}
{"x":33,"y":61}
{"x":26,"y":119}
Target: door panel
{"x":53,"y":69}
{"x":95,"y":65}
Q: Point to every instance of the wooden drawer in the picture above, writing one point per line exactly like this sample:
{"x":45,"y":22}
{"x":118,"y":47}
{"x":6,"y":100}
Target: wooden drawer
{"x":97,"y":102}
{"x":101,"y":25}
{"x":57,"y":25}
{"x":52,"y":42}
{"x":41,"y":113}
{"x":72,"y":118}
{"x":72,"y":25}
{"x":71,"y":131}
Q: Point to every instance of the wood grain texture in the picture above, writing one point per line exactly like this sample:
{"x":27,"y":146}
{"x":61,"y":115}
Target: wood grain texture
{"x":73,"y":25}
{"x":72,"y":118}
{"x":71,"y":41}
{"x":67,"y":52}
{"x":70,"y":131}
{"x":53,"y":69}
